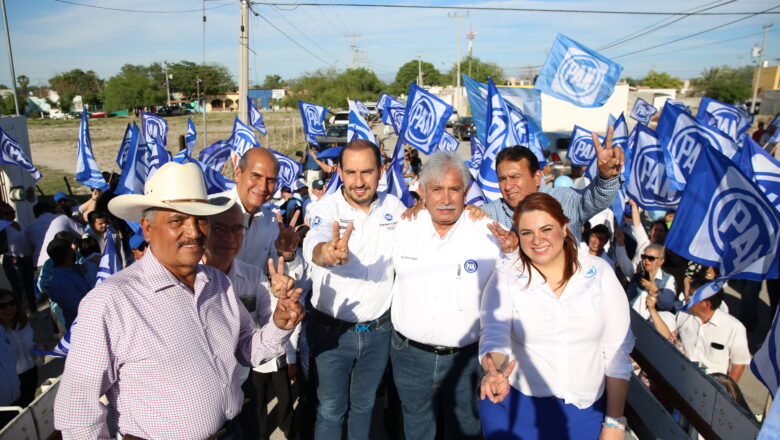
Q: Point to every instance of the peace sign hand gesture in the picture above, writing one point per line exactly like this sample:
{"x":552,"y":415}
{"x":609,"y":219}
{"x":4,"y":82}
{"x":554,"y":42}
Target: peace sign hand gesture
{"x":336,"y":251}
{"x":282,"y":285}
{"x":288,"y":312}
{"x":610,"y":160}
{"x":495,"y":384}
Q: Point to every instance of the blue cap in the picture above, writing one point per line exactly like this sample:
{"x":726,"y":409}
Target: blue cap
{"x":60,"y":196}
{"x":136,"y":241}
{"x":563,"y":182}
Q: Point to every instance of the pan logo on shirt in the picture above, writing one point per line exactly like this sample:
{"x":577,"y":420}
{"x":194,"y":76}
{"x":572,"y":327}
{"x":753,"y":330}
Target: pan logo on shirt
{"x":590,"y":272}
{"x":316,"y":221}
{"x":470,"y":266}
{"x":389,"y":217}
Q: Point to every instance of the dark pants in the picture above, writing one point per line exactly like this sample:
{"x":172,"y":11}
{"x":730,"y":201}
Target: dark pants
{"x":305,"y":413}
{"x":246,"y":418}
{"x":284,"y":410}
{"x":21,"y":276}
{"x":748,"y":304}
{"x":28,"y":382}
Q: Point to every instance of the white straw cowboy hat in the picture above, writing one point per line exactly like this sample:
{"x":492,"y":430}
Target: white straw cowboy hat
{"x":175,"y":186}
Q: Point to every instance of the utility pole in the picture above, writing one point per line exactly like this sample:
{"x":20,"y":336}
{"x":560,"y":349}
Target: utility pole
{"x":758,"y":71}
{"x":203,"y":66}
{"x":457,"y":17}
{"x":167,"y":85}
{"x":243,"y":65}
{"x":471,"y":35}
{"x":10,"y":56}
{"x":419,"y":71}
{"x":354,"y":49}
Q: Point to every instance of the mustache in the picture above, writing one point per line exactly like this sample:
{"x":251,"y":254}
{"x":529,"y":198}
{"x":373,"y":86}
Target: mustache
{"x":197,"y":241}
{"x":446,"y":207}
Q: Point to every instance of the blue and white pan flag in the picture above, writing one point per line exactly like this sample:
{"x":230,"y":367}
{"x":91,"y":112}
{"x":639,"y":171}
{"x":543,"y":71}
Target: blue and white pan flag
{"x":215,"y":181}
{"x":682,"y":138}
{"x":620,"y":133}
{"x":500,"y":134}
{"x":477,"y":152}
{"x":648,"y":185}
{"x":765,"y":364}
{"x":386,"y":101}
{"x":448,"y":143}
{"x":728,"y":118}
{"x":775,"y":123}
{"x":215,"y":155}
{"x":11,"y":153}
{"x":333,"y":184}
{"x":289,"y":170}
{"x":396,"y":117}
{"x":761,"y":167}
{"x":111,"y":262}
{"x":475,"y":196}
{"x":130,"y":132}
{"x":189,"y":141}
{"x":726,"y":221}
{"x":360,"y":107}
{"x":523,"y":134}
{"x":87,"y":171}
{"x":577,"y":74}
{"x":136,"y":167}
{"x":643,"y":111}
{"x":155,"y":134}
{"x":358,"y":127}
{"x":313,"y":117}
{"x":396,"y":185}
{"x":242,"y":140}
{"x":256,"y":118}
{"x":426,"y":117}
{"x":618,"y":205}
{"x":581,"y":149}
{"x":680,"y":104}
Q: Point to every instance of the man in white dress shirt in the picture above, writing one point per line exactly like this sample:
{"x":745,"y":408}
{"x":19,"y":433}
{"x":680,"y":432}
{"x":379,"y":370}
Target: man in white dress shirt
{"x":442,"y":260}
{"x":348,"y":250}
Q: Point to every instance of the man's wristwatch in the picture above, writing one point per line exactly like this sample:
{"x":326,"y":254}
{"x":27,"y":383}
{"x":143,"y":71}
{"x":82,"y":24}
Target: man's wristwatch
{"x":615,"y":422}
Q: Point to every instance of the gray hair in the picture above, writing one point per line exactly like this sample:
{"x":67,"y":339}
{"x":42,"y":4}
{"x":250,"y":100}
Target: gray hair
{"x":151,"y":214}
{"x":656,"y":247}
{"x":438,"y":164}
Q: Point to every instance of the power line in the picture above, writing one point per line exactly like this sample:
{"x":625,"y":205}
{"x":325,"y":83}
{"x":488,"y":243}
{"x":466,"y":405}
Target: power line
{"x":702,"y":45}
{"x":294,"y":41}
{"x":138,"y":11}
{"x":305,"y":35}
{"x":505,"y":9}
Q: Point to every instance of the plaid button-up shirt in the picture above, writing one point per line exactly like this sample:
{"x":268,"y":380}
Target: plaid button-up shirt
{"x":166,"y":357}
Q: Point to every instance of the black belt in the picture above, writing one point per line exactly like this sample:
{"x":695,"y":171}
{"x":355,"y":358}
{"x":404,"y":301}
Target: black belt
{"x":216,"y":436}
{"x":359,"y":327}
{"x":436,"y":349}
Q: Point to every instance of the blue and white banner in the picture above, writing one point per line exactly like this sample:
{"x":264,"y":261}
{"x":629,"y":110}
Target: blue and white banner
{"x":618,"y":205}
{"x":396,"y":185}
{"x":111,"y":262}
{"x":477,"y":152}
{"x":643,"y":111}
{"x":386,"y":101}
{"x":136,"y":168}
{"x":313,"y":117}
{"x":357,"y":127}
{"x":396,"y":117}
{"x":680,"y":104}
{"x":359,"y":107}
{"x":577,"y":74}
{"x":256,"y":118}
{"x":242,"y":139}
{"x":11,"y":153}
{"x":289,"y":170}
{"x":775,"y":138}
{"x":761,"y":167}
{"x":500,"y":134}
{"x":87,"y":171}
{"x":189,"y":141}
{"x":648,"y":184}
{"x":523,"y":134}
{"x":620,"y":133}
{"x":729,"y":119}
{"x":682,"y":138}
{"x":581,"y":149}
{"x":426,"y":117}
{"x":215,"y":155}
{"x":447,"y":143}
{"x":726,"y":221}
{"x":333,"y":184}
{"x":765,"y":364}
{"x":475,"y":196}
{"x":215,"y":181}
{"x":155,"y":131}
{"x":131,"y":136}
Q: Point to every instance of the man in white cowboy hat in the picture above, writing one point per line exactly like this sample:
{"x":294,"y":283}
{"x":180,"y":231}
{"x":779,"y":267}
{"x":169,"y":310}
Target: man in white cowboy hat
{"x":165,"y":339}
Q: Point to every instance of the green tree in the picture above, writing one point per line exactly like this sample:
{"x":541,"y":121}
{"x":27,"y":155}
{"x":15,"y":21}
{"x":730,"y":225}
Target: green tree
{"x":214,"y":78}
{"x":660,"y":80}
{"x":273,"y":82}
{"x":24,"y":84}
{"x":77,"y":82}
{"x":409,"y":72}
{"x":726,"y":84}
{"x":135,"y":86}
{"x":480,"y":71}
{"x":332,"y":88}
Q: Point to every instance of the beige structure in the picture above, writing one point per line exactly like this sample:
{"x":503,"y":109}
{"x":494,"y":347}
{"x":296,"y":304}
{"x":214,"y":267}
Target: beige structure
{"x":224,"y":102}
{"x":770,"y":78}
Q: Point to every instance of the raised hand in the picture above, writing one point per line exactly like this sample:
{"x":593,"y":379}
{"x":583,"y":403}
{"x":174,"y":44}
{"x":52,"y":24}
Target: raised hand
{"x":288,"y":312}
{"x":336,"y":251}
{"x":508,"y":239}
{"x":495,"y":384}
{"x":288,"y":239}
{"x":282,"y":285}
{"x":412,"y":211}
{"x":610,"y":160}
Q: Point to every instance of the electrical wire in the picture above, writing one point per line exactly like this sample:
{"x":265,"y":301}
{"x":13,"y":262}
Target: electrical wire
{"x":138,"y":11}
{"x":305,"y":35}
{"x":294,"y":41}
{"x":701,"y":45}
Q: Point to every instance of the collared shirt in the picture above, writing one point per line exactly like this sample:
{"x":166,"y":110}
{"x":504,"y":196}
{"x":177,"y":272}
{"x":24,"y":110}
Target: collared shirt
{"x":578,"y":205}
{"x":167,"y":357}
{"x":262,"y":229}
{"x":563,"y":346}
{"x":604,"y":256}
{"x":717,"y":343}
{"x":60,"y":223}
{"x":361,"y":289}
{"x":36,"y":230}
{"x":22,"y":342}
{"x":439,"y":280}
{"x":9,"y":380}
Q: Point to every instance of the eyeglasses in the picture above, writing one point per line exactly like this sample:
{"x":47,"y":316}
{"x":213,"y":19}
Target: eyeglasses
{"x":237,"y":230}
{"x":649,"y":258}
{"x":7,"y":304}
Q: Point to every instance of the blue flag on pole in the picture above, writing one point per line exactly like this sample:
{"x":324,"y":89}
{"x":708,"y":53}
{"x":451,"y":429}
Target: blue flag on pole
{"x":155,"y":131}
{"x":357,"y":127}
{"x":313,"y":117}
{"x":683,"y":137}
{"x":333,"y":184}
{"x":215,"y":181}
{"x":475,"y":196}
{"x":136,"y":167}
{"x":121,"y":156}
{"x":386,"y":101}
{"x":765,"y":364}
{"x":396,"y":185}
{"x":256,"y":118}
{"x":396,"y":117}
{"x":111,"y":262}
{"x":426,"y":117}
{"x":649,"y":186}
{"x":581,"y":148}
{"x":447,"y":143}
{"x":242,"y":139}
{"x":500,"y":134}
{"x":359,"y":107}
{"x":215,"y":155}
{"x":523,"y":134}
{"x":289,"y":170}
{"x":725,"y":220}
{"x":681,"y":105}
{"x":189,"y":142}
{"x":643,"y":111}
{"x":87,"y":171}
{"x":11,"y":153}
{"x":729,"y":119}
{"x":577,"y":74}
{"x":477,"y":152}
{"x":761,"y":167}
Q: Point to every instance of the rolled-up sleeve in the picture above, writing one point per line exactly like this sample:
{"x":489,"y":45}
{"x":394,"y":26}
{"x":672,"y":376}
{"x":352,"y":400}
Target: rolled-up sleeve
{"x":495,"y":317}
{"x":617,"y":341}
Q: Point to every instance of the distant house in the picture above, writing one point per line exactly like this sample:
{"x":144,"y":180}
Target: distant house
{"x":223,"y":102}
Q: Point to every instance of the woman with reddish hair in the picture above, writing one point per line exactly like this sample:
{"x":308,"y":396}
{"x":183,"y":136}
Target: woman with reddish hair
{"x":555,"y":338}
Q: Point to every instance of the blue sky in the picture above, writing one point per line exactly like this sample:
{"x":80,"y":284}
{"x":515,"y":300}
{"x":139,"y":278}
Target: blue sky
{"x":49,"y":37}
